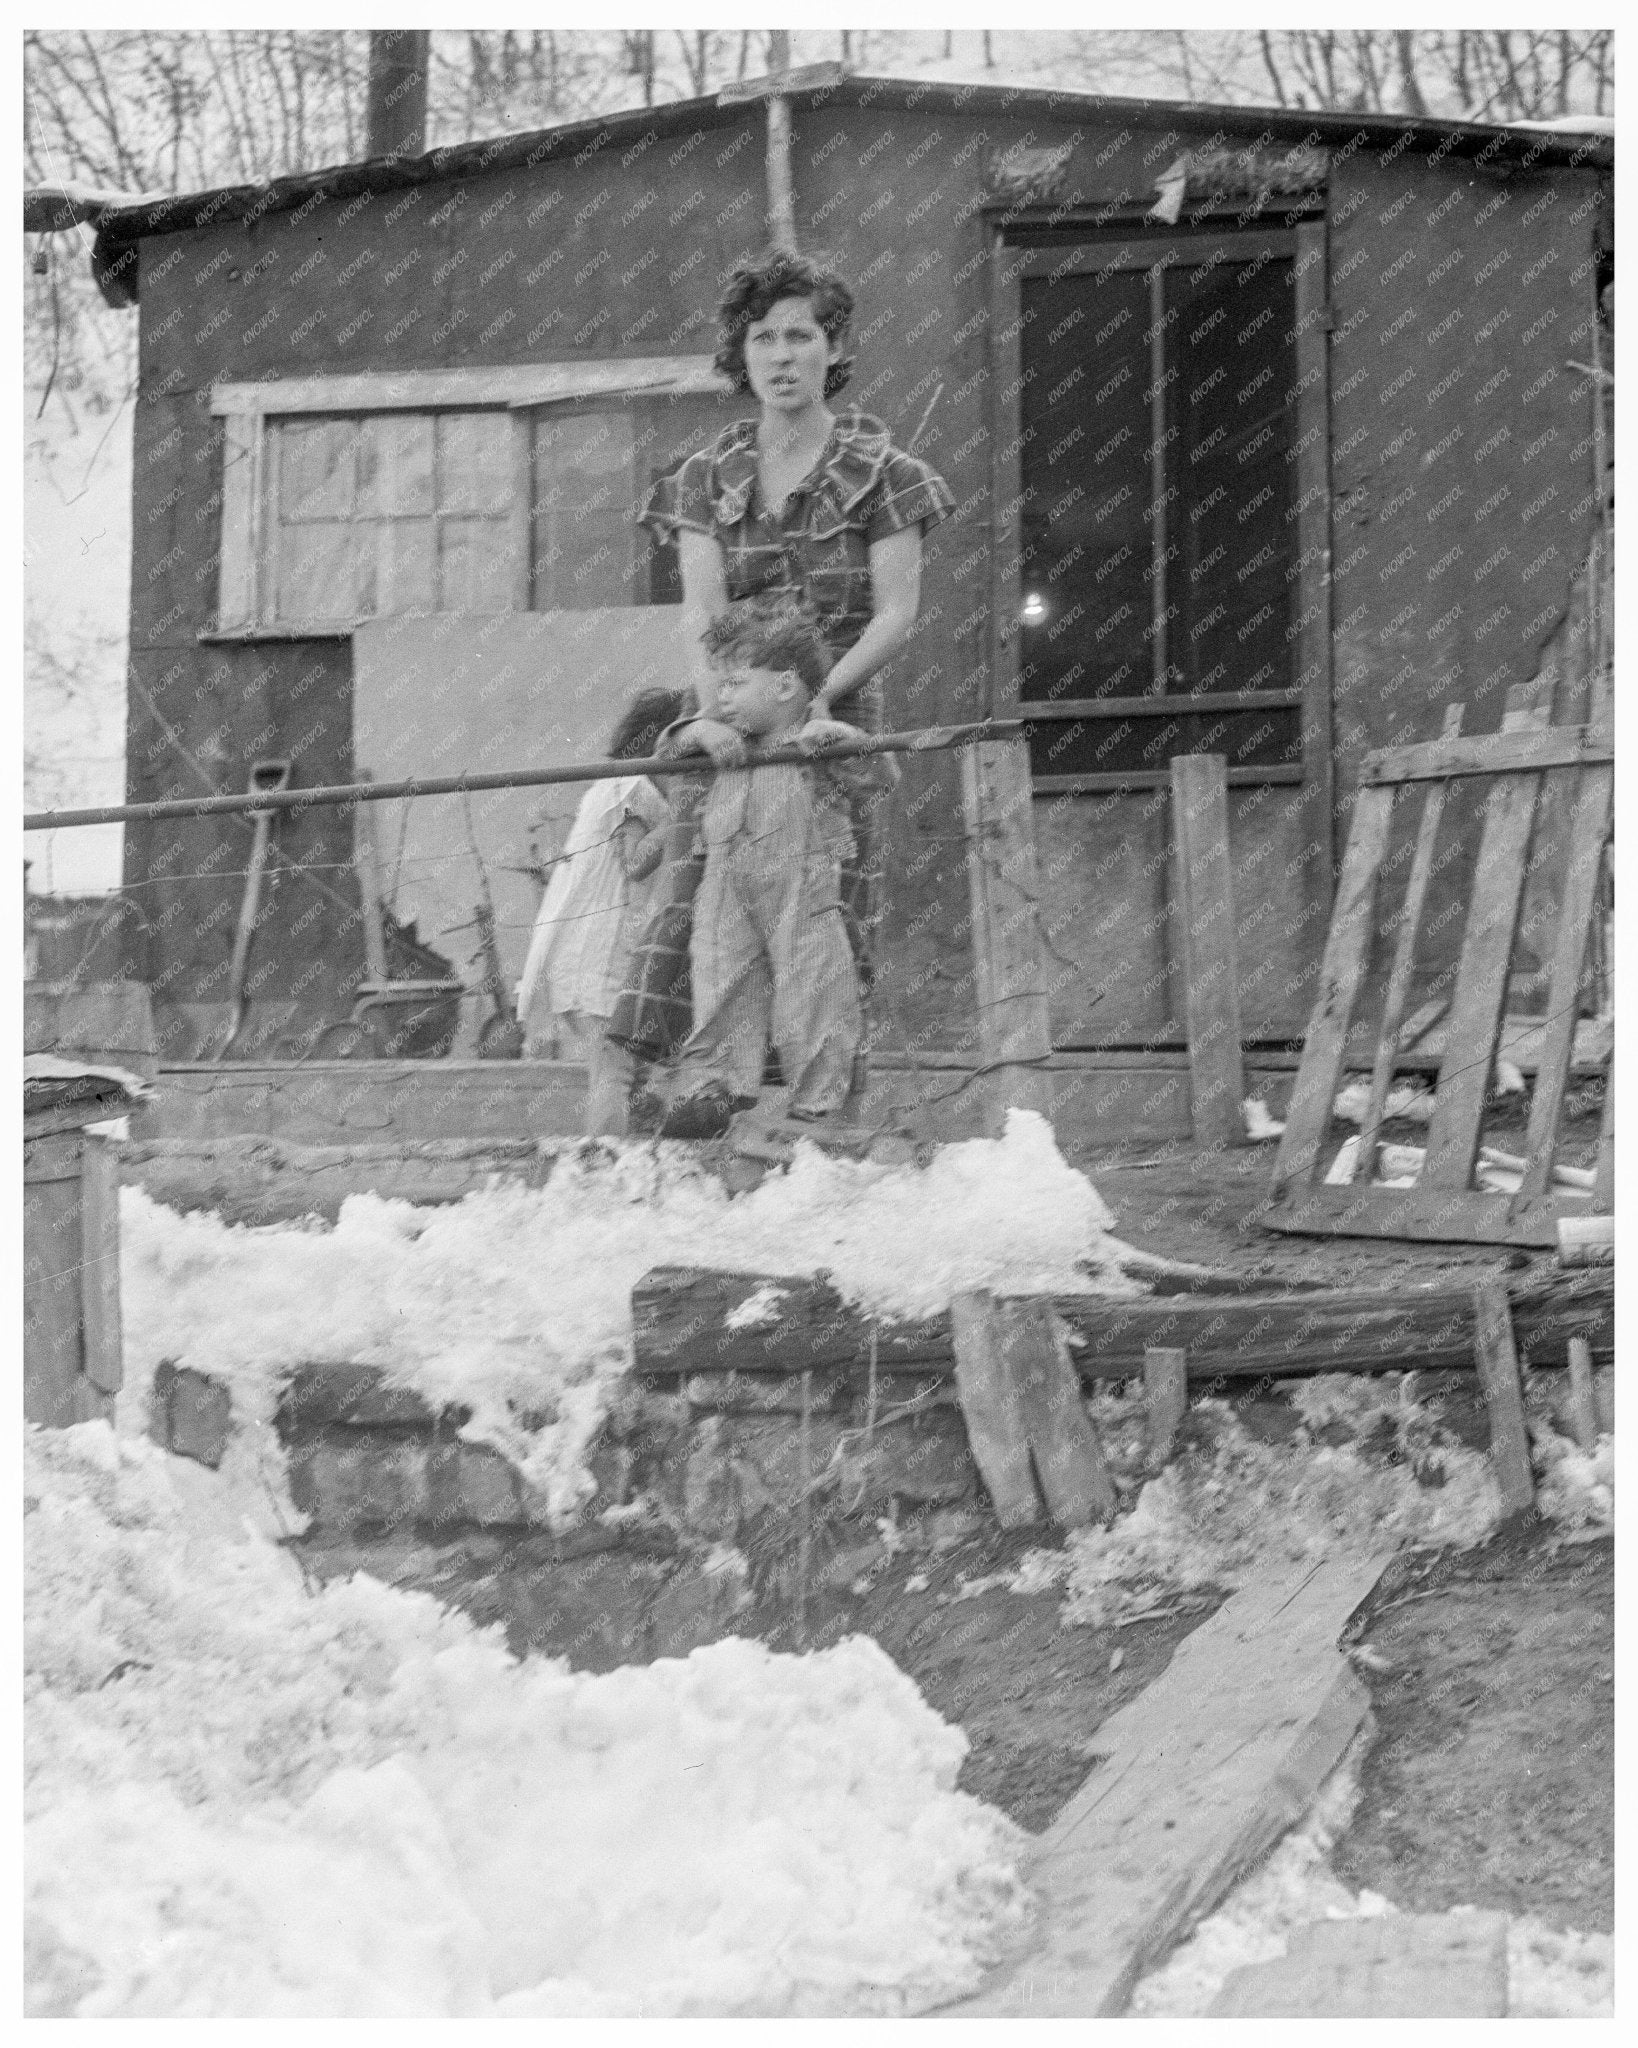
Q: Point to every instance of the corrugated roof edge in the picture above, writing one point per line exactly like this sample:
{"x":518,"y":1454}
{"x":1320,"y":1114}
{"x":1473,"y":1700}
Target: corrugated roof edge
{"x":1510,"y":145}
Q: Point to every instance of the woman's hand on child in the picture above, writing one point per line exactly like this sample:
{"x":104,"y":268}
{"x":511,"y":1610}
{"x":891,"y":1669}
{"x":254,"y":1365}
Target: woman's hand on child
{"x":710,"y":736}
{"x":822,"y":733}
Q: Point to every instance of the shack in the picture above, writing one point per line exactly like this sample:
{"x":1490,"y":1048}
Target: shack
{"x":1273,"y":434}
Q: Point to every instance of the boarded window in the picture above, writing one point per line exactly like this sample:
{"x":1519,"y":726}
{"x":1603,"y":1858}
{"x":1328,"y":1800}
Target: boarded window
{"x":392,"y":512}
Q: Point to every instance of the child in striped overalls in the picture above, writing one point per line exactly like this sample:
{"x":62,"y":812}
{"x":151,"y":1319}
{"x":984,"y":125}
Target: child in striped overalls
{"x":770,"y":957}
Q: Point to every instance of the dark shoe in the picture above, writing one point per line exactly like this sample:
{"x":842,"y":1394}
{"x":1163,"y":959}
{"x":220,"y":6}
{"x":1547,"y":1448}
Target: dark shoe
{"x":705,"y":1115}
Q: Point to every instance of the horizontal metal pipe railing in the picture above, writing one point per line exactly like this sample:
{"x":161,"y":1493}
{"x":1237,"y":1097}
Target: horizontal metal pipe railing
{"x":931,"y":740}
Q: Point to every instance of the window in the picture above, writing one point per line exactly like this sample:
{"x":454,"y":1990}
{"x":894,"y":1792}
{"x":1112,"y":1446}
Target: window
{"x":348,"y":498}
{"x":1168,"y":536}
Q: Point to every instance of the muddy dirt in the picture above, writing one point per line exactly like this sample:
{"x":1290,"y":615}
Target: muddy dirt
{"x":1491,"y":1782}
{"x":1029,"y":1693}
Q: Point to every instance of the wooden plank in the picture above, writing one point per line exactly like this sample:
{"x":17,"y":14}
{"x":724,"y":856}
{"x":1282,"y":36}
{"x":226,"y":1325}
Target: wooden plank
{"x":1404,"y":961}
{"x":1166,"y":1394}
{"x":1069,"y":1461}
{"x":1504,"y":1396}
{"x":1197,"y":1778}
{"x":1583,"y":1405}
{"x":1203,"y":899}
{"x":993,"y":1413}
{"x":1586,"y":1240}
{"x":1347,"y":949}
{"x":99,"y":1274}
{"x":1009,"y":984}
{"x":1422,"y":1214}
{"x":517,"y":384}
{"x":1589,"y":829}
{"x":1312,"y":483}
{"x":1481,"y":975}
{"x":1515,"y":751}
{"x":686,"y":1320}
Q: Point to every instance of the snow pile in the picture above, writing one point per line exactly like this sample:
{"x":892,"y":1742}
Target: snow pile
{"x":517,"y":1301}
{"x":248,"y":1799}
{"x":1551,"y":1974}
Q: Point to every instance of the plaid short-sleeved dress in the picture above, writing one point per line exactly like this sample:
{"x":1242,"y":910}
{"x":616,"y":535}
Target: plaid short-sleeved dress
{"x":861,"y":490}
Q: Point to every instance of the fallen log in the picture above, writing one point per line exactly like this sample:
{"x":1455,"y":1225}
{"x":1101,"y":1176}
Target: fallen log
{"x":688,"y":1320}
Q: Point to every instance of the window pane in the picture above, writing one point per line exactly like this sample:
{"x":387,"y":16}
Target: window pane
{"x":474,"y":462}
{"x":316,"y":469}
{"x":317,"y":573}
{"x":1085,"y":583}
{"x":394,"y":465}
{"x":405,"y":557}
{"x":585,"y":510}
{"x":474,"y":566}
{"x":1233,"y":401}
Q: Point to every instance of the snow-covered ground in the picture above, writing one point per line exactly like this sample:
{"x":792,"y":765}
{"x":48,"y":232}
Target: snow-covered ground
{"x":250,"y":1796}
{"x":518,"y":1301}
{"x":247,"y":1797}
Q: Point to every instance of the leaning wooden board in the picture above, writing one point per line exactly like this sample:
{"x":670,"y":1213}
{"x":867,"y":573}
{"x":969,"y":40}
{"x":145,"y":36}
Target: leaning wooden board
{"x":1197,"y":1778}
{"x":690,"y":1320}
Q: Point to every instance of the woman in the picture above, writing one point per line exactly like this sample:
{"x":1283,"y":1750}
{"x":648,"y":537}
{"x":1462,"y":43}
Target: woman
{"x":803,"y":499}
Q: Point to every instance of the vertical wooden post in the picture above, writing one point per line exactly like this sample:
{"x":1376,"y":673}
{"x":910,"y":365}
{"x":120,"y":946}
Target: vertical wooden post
{"x":992,"y":1410}
{"x":1009,"y":986}
{"x":1165,"y":1390}
{"x":1583,"y":1401}
{"x":1203,"y":902}
{"x":1069,"y":1460}
{"x":1504,"y":1397}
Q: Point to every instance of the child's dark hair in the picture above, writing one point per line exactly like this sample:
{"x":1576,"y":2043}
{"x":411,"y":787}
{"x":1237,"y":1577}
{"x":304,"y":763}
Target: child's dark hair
{"x":774,"y":630}
{"x":757,"y":287}
{"x":644,"y":719}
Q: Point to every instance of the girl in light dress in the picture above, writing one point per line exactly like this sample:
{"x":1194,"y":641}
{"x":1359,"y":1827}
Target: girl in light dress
{"x":595,"y":907}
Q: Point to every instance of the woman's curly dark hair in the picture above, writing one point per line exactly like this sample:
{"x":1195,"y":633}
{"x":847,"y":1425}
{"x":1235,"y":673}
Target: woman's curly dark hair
{"x":757,"y":287}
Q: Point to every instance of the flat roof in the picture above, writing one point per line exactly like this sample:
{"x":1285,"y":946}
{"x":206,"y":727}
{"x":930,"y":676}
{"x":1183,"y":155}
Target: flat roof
{"x":822,"y":84}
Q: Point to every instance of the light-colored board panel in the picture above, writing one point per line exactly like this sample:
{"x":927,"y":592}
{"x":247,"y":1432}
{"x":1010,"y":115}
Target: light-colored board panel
{"x":437,"y":693}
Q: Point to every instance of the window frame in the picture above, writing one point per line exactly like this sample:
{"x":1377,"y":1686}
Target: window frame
{"x":1141,"y":245}
{"x":524,"y":390}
